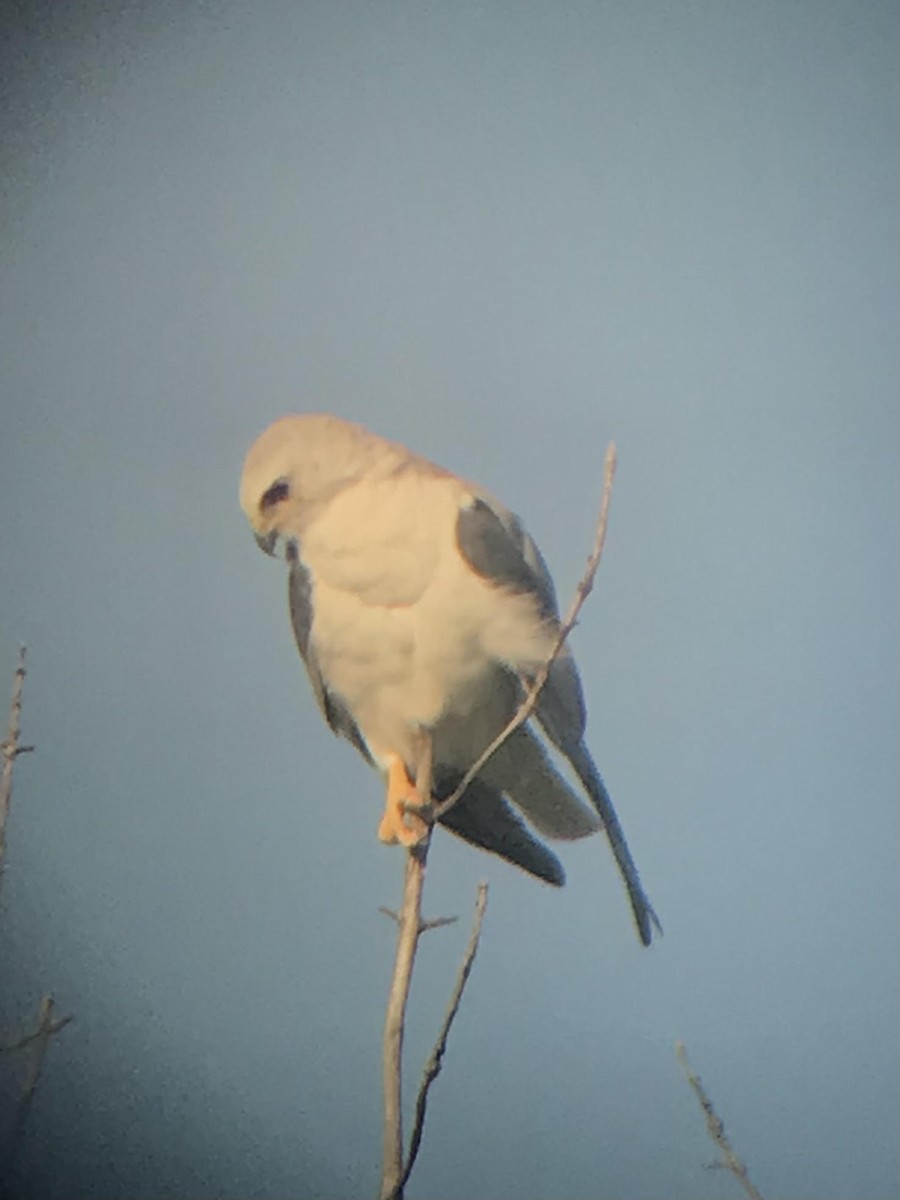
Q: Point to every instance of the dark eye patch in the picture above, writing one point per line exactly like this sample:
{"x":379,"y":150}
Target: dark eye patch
{"x":280,"y":490}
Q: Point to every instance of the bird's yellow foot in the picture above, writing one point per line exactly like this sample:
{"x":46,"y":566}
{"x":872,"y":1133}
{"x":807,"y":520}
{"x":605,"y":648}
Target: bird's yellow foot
{"x":399,"y":823}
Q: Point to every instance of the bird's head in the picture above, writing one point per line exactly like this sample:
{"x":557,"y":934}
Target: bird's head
{"x":296,"y":466}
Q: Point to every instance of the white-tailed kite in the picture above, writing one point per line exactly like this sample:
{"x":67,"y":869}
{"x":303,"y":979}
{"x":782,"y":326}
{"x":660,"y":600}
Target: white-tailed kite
{"x":421,"y":607}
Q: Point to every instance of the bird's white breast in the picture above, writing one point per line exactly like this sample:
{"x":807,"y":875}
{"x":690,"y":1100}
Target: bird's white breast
{"x":403,"y":630}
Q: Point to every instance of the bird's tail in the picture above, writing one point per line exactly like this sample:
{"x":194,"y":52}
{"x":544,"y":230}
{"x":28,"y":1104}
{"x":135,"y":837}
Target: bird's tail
{"x":644,"y":916}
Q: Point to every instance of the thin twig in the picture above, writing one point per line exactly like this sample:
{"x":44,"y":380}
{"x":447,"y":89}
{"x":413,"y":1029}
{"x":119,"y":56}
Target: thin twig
{"x":436,"y":923}
{"x":409,"y":921}
{"x":424,"y":926}
{"x":11,"y":750}
{"x":48,"y":1026}
{"x":584,"y":589}
{"x":27,"y":1039}
{"x":38,"y":1040}
{"x":716,"y":1128}
{"x":436,"y":1058}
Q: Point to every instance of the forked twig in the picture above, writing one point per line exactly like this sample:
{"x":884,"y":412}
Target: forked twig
{"x":716,"y":1128}
{"x":37,"y":1043}
{"x":436,"y":1058}
{"x":424,"y":926}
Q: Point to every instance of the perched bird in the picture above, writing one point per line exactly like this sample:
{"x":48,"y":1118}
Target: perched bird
{"x":422,"y":608}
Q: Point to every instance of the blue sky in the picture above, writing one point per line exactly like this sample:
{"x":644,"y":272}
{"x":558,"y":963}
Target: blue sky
{"x":504,"y":234}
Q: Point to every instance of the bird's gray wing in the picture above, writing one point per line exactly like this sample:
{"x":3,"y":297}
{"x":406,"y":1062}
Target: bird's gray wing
{"x":300,"y":599}
{"x":496,"y":546}
{"x":481,"y":816}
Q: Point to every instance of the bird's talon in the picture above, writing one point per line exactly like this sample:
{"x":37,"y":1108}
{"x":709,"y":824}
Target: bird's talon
{"x":402,"y":821}
{"x":401,"y":824}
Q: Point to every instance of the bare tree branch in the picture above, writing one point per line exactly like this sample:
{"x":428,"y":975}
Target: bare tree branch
{"x":584,"y":589}
{"x":424,"y":926}
{"x":43,"y":1029}
{"x":38,"y":1041}
{"x":436,"y":923}
{"x":436,"y":1058}
{"x":409,"y":922}
{"x":716,"y":1128}
{"x":11,"y":750}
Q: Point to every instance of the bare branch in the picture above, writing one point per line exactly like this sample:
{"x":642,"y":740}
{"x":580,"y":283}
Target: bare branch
{"x":48,"y":1026}
{"x":42,"y":1030}
{"x":436,"y":923}
{"x":716,"y":1128}
{"x":409,"y":922}
{"x":424,"y":926}
{"x":436,"y":1058}
{"x":11,"y":750}
{"x":584,"y":589}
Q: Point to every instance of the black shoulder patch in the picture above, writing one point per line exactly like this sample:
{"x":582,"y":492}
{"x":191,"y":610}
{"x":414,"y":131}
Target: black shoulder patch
{"x":496,"y":550}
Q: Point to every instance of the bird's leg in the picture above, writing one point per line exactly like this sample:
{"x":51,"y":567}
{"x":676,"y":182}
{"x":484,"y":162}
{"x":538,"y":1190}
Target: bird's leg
{"x":400,"y":822}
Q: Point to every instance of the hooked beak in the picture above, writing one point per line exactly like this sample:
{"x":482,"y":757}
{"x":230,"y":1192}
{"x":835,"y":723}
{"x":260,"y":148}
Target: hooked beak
{"x":267,"y":541}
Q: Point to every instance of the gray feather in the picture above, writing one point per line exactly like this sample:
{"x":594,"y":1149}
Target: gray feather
{"x":560,"y":707}
{"x":644,"y":916}
{"x":497,"y":548}
{"x":481,"y":816}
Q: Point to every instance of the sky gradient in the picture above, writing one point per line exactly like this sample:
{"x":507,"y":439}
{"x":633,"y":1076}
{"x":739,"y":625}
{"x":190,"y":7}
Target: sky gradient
{"x":505,"y":235}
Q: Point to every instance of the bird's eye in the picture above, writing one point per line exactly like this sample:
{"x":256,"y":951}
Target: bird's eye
{"x":280,"y":490}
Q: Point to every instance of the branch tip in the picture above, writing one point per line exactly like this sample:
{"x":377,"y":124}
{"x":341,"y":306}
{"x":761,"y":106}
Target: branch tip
{"x":715,"y":1127}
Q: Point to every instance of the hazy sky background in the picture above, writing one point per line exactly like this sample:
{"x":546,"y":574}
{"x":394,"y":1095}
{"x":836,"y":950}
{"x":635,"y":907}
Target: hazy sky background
{"x":505,"y":234}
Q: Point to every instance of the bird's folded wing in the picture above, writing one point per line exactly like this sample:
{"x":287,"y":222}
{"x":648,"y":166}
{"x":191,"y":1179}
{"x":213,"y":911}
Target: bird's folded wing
{"x":481,"y":816}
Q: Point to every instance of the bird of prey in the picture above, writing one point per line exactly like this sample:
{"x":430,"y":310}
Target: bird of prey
{"x":422,"y":609}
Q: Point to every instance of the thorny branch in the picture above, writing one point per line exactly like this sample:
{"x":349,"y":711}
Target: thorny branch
{"x":716,"y":1128}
